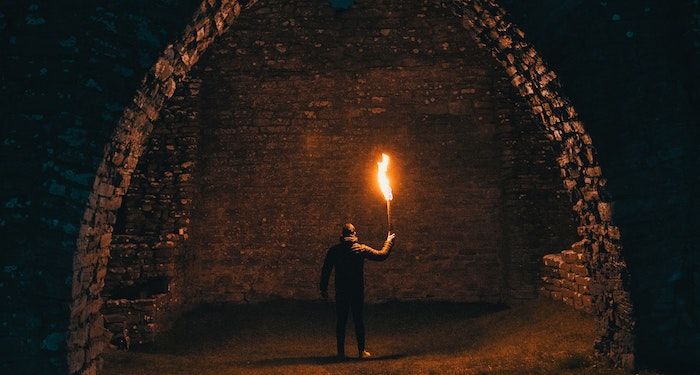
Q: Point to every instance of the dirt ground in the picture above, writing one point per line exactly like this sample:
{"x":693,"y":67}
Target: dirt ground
{"x":540,"y":337}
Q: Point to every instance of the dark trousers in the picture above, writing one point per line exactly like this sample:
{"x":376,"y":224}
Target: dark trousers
{"x":346,"y":301}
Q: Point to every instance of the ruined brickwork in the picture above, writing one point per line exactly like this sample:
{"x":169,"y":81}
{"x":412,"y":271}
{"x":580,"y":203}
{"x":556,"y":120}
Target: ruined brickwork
{"x":142,"y":288}
{"x":535,"y":210}
{"x":69,"y":69}
{"x":565,"y":278}
{"x":579,"y":168}
{"x":73,"y":70}
{"x":635,"y":85}
{"x":135,"y":320}
{"x":87,"y":333}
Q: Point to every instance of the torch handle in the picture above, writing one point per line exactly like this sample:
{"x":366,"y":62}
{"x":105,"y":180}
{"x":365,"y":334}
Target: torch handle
{"x":388,"y":214}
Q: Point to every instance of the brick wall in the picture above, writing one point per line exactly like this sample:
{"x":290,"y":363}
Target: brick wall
{"x":535,"y":208}
{"x":134,"y":321}
{"x":565,"y":278}
{"x":86,"y":334}
{"x":73,"y":69}
{"x":296,"y":104}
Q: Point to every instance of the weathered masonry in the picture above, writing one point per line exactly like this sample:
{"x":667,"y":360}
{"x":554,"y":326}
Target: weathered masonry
{"x":252,"y":135}
{"x":233,"y":166}
{"x":265,"y":128}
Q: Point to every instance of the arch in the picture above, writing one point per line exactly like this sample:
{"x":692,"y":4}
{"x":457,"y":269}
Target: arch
{"x":580,"y":171}
{"x":488,"y":24}
{"x":87,"y":338}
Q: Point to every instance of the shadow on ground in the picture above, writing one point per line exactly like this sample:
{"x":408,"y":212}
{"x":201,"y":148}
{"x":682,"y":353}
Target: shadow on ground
{"x":213,"y":327}
{"x":314,"y":360}
{"x":285,"y":337}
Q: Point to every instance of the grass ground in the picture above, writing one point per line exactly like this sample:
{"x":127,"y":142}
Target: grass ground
{"x":541,"y":337}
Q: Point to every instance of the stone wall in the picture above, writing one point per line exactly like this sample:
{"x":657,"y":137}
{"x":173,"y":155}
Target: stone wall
{"x":158,"y":199}
{"x":535,"y":208}
{"x":565,"y":278}
{"x":143,"y":277}
{"x":73,"y":69}
{"x":296,"y":104}
{"x":135,"y":321}
{"x":152,"y":224}
{"x":137,"y":260}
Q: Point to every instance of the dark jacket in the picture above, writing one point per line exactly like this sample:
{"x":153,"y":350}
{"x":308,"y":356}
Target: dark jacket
{"x":348,"y":259}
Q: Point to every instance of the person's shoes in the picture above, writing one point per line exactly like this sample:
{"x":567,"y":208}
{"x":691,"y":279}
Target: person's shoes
{"x":340,"y":357}
{"x":365,"y":355}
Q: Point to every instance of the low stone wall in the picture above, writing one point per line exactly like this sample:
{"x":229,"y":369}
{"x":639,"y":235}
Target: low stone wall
{"x":136,"y":321}
{"x":565,"y":278}
{"x":133,"y":260}
{"x":142,"y":283}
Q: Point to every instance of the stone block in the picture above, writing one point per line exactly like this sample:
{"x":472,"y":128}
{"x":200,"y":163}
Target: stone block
{"x":557,"y":295}
{"x":605,"y":211}
{"x":580,"y":246}
{"x":583,"y":280}
{"x":553,"y":260}
{"x":580,"y":270}
{"x":563,"y":274}
{"x":587,"y":300}
{"x":570,"y":256}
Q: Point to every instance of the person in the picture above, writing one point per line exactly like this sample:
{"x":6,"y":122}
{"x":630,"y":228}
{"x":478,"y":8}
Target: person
{"x":347,"y":257}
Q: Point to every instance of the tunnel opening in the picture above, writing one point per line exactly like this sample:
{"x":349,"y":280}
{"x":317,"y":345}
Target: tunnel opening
{"x":234,"y":127}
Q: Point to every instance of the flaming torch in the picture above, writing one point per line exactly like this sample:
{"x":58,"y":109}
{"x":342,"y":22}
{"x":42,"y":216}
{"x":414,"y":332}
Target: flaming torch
{"x":383,"y":180}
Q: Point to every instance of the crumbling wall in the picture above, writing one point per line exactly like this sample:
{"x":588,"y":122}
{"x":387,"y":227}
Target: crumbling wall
{"x":87,"y":337}
{"x":579,"y":168}
{"x":68,"y":87}
{"x":635,"y":86}
{"x":565,"y":278}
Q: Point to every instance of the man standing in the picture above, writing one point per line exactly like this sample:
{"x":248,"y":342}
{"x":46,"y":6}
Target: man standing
{"x":348,"y":259}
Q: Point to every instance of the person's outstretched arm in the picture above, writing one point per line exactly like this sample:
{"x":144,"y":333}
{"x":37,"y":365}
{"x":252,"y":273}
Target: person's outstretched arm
{"x":382,"y":254}
{"x":326,"y":273}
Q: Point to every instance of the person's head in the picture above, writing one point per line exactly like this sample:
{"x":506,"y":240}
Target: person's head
{"x":348,"y":230}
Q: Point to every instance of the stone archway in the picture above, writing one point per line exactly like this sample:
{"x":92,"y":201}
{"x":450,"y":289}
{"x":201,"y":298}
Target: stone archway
{"x":579,"y":170}
{"x":581,"y":174}
{"x":87,"y":338}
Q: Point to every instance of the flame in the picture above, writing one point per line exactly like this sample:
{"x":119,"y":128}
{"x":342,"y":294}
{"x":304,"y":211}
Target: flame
{"x":383,"y":180}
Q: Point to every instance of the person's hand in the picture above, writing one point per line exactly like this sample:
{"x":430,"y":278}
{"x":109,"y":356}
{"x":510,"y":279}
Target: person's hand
{"x":324,"y":295}
{"x":390,"y":236}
